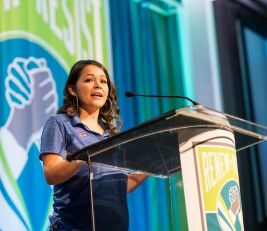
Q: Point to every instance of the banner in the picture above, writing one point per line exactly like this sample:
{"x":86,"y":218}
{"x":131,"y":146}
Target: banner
{"x":39,"y":42}
{"x":210,"y":178}
{"x":219,"y":186}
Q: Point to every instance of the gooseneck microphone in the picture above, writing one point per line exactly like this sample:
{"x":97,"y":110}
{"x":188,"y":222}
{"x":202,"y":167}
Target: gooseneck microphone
{"x":131,"y":94}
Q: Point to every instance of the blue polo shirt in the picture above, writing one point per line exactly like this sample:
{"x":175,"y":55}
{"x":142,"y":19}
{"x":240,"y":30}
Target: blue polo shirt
{"x":72,"y":207}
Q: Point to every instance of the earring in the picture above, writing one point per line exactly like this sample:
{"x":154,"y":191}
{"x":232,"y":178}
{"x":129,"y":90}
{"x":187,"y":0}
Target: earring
{"x":110,"y":109}
{"x":77,"y":102}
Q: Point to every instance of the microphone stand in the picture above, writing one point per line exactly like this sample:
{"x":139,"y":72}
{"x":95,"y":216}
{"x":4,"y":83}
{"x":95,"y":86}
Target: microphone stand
{"x":131,"y":94}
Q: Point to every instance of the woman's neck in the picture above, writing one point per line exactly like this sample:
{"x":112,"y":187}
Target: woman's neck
{"x":91,"y":121}
{"x":89,"y":115}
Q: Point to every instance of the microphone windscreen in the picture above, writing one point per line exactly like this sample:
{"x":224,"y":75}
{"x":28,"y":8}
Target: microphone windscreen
{"x":129,"y":94}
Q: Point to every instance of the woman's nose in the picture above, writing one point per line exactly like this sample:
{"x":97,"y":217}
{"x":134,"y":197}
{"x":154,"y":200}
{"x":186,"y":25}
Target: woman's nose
{"x":97,"y":84}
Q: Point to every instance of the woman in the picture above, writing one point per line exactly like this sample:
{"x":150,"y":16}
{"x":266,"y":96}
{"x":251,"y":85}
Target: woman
{"x":87,"y":116}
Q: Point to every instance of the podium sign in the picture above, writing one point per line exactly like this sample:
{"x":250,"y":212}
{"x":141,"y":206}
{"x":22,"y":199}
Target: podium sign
{"x":210,"y":179}
{"x":195,"y":142}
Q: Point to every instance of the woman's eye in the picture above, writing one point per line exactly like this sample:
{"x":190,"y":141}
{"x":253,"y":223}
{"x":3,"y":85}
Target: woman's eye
{"x":88,"y":80}
{"x":104,"y":81}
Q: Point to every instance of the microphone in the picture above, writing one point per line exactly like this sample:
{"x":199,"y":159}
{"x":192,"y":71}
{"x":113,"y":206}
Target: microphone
{"x":131,"y":94}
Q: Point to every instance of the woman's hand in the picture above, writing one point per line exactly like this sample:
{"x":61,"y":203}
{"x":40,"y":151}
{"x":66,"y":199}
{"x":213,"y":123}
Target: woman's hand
{"x":57,"y":170}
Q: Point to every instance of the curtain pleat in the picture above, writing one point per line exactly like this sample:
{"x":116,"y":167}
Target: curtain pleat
{"x":147,"y":59}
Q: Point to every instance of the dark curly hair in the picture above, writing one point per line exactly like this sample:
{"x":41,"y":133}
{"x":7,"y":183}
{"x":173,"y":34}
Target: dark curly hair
{"x":109,"y":113}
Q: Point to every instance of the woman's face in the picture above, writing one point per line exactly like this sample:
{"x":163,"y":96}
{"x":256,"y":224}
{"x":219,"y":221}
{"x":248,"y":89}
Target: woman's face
{"x":92,"y":88}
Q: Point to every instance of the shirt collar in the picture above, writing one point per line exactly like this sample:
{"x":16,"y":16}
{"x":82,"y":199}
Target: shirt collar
{"x":75,"y":120}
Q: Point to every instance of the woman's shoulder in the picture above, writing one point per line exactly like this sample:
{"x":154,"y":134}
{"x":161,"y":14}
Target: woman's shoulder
{"x":59,"y":118}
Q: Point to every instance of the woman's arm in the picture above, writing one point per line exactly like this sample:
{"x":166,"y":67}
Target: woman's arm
{"x":134,"y":180}
{"x":57,"y":170}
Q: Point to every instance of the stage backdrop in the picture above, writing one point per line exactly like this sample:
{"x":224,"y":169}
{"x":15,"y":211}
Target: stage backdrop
{"x":144,"y":44}
{"x":39,"y":41}
{"x":150,"y":56}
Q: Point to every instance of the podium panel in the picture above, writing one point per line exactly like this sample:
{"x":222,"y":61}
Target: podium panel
{"x":191,"y":152}
{"x":211,"y":183}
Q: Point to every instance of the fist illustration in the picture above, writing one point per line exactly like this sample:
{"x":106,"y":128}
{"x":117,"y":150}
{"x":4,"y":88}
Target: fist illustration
{"x":234,"y":199}
{"x":31,"y":94}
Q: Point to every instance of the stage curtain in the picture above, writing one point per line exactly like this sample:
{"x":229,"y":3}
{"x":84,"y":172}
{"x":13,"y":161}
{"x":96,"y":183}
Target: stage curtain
{"x":148,"y":58}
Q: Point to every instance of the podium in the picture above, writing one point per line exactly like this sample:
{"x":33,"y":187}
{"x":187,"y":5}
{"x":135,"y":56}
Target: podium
{"x":194,"y":150}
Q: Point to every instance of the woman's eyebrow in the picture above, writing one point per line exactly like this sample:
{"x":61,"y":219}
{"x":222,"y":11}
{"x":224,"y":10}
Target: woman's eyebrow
{"x":91,"y":74}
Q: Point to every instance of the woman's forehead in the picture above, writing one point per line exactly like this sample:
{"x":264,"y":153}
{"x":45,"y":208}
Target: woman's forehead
{"x":93,"y":70}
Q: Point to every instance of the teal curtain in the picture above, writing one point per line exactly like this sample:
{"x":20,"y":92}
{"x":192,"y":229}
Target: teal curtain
{"x":147,"y":59}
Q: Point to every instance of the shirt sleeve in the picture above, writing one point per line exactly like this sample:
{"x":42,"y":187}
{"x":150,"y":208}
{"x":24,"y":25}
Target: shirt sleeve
{"x":53,"y":138}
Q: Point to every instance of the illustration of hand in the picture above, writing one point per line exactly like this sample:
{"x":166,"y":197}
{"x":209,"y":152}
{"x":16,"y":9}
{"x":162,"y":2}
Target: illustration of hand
{"x":234,"y":199}
{"x":31,"y":94}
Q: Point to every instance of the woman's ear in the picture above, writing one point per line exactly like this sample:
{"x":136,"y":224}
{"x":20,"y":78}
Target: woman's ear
{"x":71,"y":90}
